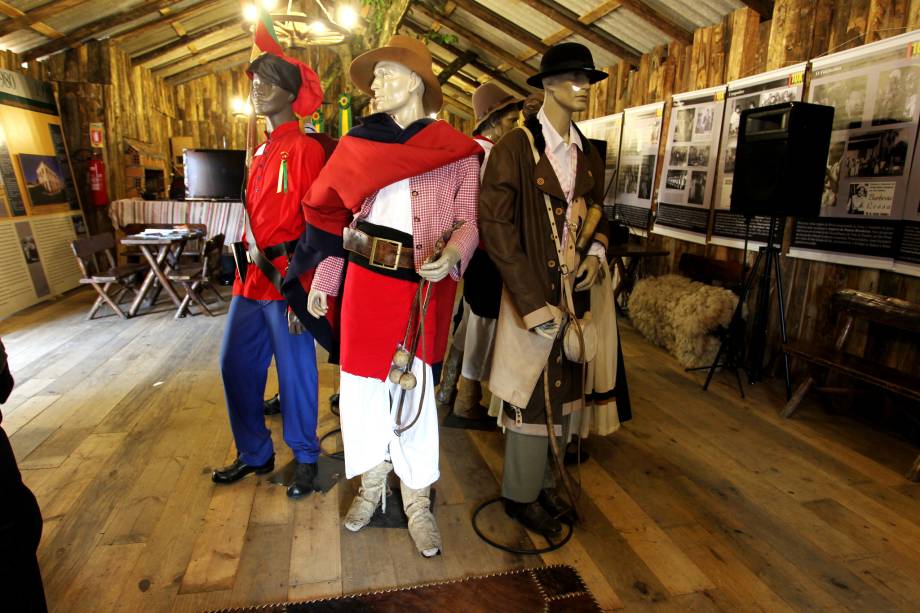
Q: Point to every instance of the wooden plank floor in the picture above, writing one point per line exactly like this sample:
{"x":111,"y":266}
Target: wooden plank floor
{"x":704,"y":502}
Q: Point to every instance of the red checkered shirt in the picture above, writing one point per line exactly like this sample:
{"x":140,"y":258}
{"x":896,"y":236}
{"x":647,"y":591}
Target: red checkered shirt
{"x":440,"y":198}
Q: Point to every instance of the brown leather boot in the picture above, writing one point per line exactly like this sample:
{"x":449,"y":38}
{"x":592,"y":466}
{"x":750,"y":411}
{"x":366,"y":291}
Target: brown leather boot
{"x":469,"y":395}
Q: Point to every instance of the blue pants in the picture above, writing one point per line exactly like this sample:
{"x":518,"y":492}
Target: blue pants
{"x":257,"y":329}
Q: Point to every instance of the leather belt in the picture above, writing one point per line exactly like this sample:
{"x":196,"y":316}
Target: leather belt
{"x":380,"y":252}
{"x":280,"y":249}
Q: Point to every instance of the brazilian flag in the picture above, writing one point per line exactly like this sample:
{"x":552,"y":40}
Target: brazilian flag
{"x":318,"y":121}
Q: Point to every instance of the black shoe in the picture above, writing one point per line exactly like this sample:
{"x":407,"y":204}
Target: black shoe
{"x":239,"y":469}
{"x":571,"y":458}
{"x":302,"y":484}
{"x":557,"y":506}
{"x":534,"y":517}
{"x":272,"y":406}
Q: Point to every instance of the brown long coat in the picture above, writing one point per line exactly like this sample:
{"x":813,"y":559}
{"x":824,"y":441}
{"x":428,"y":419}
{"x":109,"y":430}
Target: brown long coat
{"x":515,"y":229}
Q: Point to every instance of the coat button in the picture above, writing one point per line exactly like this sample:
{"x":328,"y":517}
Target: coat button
{"x":558,"y":359}
{"x":559,"y":210}
{"x":551,"y":263}
{"x":589,"y":174}
{"x":414,"y":193}
{"x":540,"y":181}
{"x":416,"y":219}
{"x":558,"y":383}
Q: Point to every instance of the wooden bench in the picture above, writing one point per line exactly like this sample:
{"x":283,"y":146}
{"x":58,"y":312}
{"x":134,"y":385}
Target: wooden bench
{"x":893,"y":313}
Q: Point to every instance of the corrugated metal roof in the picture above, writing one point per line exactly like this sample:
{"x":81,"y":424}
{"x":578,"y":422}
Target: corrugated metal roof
{"x":629,"y":28}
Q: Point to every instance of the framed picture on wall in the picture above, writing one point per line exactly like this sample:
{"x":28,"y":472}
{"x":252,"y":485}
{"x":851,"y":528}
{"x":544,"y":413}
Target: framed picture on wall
{"x":44,"y":179}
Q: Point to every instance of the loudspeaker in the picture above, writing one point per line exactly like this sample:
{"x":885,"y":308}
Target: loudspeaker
{"x":781,"y":160}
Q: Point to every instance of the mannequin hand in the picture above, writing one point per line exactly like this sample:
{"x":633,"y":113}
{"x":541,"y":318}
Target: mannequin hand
{"x":589,"y":267}
{"x":316,"y":303}
{"x":295,"y":326}
{"x":548,"y":330}
{"x":441,"y":267}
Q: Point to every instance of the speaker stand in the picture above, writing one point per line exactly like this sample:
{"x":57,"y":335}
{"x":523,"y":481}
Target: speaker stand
{"x":731,"y":352}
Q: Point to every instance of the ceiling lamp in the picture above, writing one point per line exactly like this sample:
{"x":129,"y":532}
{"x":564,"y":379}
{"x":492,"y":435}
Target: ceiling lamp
{"x":299,"y":29}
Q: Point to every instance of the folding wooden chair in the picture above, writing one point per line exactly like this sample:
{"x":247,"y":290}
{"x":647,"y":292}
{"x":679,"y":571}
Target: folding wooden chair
{"x":107,"y":273}
{"x":196,"y":278}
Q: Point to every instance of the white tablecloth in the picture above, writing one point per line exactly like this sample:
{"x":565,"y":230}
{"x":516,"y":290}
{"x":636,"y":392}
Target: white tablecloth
{"x":220,"y":217}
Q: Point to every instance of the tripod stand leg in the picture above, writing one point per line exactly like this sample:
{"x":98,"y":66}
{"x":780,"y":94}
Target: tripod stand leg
{"x":740,"y":385}
{"x":780,"y":298}
{"x":713,"y":366}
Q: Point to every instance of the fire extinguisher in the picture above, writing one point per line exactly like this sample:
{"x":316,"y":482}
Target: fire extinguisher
{"x":98,"y":189}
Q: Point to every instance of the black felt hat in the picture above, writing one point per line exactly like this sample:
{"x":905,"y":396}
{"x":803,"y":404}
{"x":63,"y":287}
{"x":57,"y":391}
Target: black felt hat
{"x":566,"y":57}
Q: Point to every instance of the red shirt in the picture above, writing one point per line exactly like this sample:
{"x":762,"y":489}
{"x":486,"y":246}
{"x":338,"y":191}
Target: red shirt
{"x":278,"y":217}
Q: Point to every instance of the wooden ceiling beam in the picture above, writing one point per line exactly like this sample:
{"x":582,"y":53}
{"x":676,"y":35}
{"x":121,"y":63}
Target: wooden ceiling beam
{"x":764,"y":8}
{"x":228,"y":47}
{"x":200,"y":51}
{"x":184,"y":40}
{"x":568,"y":19}
{"x":658,"y":20}
{"x":454,"y":67}
{"x":514,"y":31}
{"x":20,"y":20}
{"x":172,"y":19}
{"x":469,"y":81}
{"x":224,"y":62}
{"x":475,"y":39}
{"x":76,"y":37}
{"x":479,"y":65}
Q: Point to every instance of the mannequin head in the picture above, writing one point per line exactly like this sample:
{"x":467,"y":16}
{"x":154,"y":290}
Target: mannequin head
{"x":398,"y":91}
{"x":568,"y":91}
{"x":271,"y":101}
{"x":500,"y":123}
{"x":399,"y":79}
{"x":282,"y":88}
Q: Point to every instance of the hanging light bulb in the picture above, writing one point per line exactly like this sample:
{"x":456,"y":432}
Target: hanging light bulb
{"x":346,"y":16}
{"x":250,"y":12}
{"x":269,"y":5}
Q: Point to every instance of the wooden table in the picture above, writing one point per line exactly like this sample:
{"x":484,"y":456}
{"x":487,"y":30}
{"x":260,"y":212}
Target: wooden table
{"x":627,"y":272}
{"x":159,"y":264}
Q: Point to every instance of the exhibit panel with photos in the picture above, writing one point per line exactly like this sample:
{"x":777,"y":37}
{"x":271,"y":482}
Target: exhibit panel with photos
{"x":638,"y":162}
{"x":783,"y":85}
{"x":875,"y":91}
{"x":691,"y":151}
{"x":39,"y":209}
{"x":607,"y":129}
{"x":907,"y":251}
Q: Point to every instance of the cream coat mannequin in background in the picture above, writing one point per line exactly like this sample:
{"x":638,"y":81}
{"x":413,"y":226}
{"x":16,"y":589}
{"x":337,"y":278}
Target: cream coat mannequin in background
{"x":412,"y":182}
{"x":466,"y":369}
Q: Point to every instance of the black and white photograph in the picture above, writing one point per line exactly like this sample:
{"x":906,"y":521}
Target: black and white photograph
{"x":897,"y":95}
{"x":683,"y":128}
{"x":703,"y":126}
{"x":880,"y":153}
{"x":678,"y":156}
{"x":832,"y":175}
{"x":697,"y":187}
{"x":646,"y":170}
{"x":729,"y":164}
{"x":29,"y":249}
{"x":676,"y":179}
{"x":847,"y":96}
{"x":628,"y":179}
{"x":874,"y":199}
{"x":736,"y":106}
{"x":698,"y":155}
{"x":778,"y":96}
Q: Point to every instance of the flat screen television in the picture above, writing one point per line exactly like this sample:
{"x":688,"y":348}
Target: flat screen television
{"x":214,"y":174}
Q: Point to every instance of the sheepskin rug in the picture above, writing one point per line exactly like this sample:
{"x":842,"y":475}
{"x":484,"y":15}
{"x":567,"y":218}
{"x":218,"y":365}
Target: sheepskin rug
{"x":680,"y":315}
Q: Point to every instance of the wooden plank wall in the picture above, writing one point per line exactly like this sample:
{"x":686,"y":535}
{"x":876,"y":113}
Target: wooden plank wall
{"x":740,"y":46}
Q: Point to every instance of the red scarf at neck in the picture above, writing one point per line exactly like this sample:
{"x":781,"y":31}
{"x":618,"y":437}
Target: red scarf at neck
{"x":359,"y":167}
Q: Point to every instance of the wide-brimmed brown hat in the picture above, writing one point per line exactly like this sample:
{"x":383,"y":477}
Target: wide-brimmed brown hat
{"x":409,"y":52}
{"x":489,"y":98}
